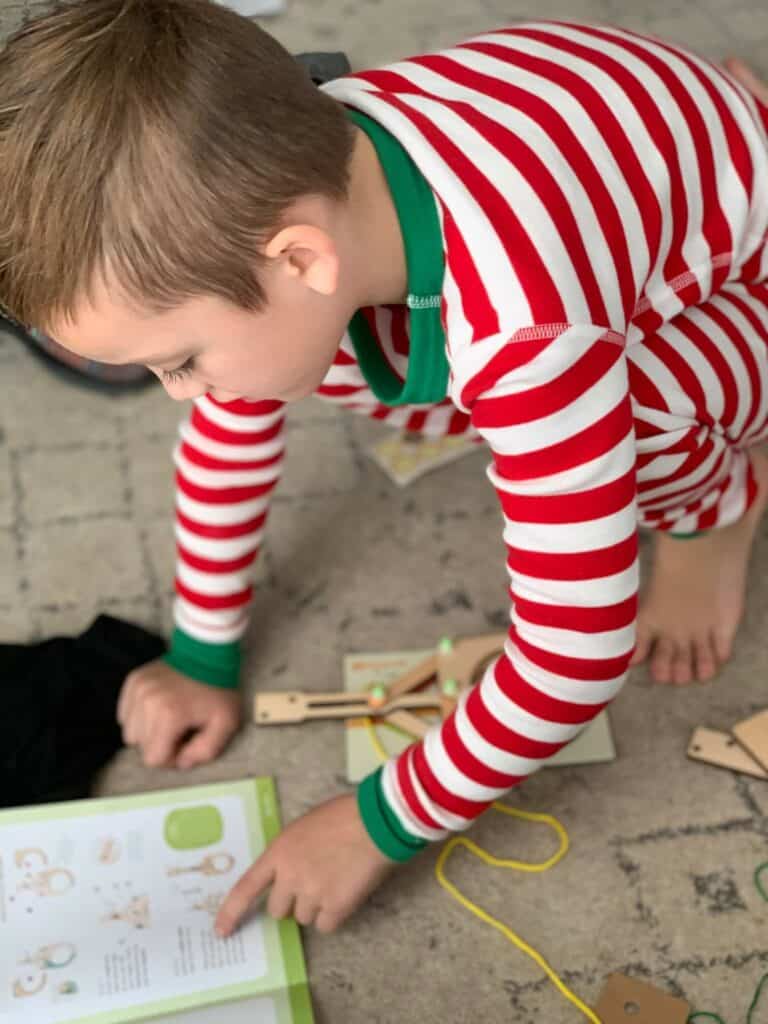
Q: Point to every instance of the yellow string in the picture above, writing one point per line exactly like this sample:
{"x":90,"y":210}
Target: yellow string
{"x":512,"y":865}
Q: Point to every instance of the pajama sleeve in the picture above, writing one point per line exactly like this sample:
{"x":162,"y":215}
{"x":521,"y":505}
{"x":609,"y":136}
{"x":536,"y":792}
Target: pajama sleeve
{"x":228,"y":463}
{"x":553,"y":405}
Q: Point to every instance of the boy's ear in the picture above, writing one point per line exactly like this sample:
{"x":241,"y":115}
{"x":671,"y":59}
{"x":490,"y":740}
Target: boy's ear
{"x":307,"y":253}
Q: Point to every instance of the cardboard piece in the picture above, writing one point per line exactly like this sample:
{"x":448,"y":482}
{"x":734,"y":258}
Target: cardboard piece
{"x":406,"y":457}
{"x":752,"y":734}
{"x":722,"y":750}
{"x":628,"y":1001}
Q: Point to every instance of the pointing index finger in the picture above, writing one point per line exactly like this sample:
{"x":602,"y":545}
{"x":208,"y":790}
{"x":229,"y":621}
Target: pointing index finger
{"x":244,"y":893}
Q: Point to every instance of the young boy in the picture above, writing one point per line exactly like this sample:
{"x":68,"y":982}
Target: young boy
{"x":554,"y":236}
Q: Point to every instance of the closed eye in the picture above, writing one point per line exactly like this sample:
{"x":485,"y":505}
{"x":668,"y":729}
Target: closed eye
{"x":174,"y":376}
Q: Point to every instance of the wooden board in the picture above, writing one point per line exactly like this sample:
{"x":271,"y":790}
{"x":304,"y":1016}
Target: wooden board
{"x":628,"y":1001}
{"x":722,"y":750}
{"x":752,"y":734}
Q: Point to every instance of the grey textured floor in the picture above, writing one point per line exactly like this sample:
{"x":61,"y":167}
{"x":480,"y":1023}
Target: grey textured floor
{"x":659,"y":878}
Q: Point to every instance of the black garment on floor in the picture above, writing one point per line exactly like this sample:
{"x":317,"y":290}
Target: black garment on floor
{"x":58,"y":704}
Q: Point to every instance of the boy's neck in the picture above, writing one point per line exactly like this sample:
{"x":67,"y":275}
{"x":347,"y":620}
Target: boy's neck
{"x":376,"y":248}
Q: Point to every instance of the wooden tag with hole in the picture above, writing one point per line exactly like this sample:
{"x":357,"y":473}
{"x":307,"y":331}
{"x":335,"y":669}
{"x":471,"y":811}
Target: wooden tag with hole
{"x":752,"y":734}
{"x":628,"y":1001}
{"x":722,"y":750}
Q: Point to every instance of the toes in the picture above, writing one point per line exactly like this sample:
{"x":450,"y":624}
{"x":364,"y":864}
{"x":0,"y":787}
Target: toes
{"x":662,"y":660}
{"x":682,"y":665}
{"x":722,"y":641}
{"x":706,"y":658}
{"x":643,"y":645}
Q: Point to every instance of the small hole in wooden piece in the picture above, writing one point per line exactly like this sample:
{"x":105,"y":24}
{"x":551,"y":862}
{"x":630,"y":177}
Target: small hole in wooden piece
{"x":730,"y":742}
{"x":291,"y":700}
{"x":695,"y":748}
{"x":631,"y":1009}
{"x":264,"y":714}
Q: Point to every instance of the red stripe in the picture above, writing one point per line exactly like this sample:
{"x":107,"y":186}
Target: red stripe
{"x":214,"y":567}
{"x":223,"y":495}
{"x":217,"y":531}
{"x":543,"y":400}
{"x":500,"y":735}
{"x":440,"y":795}
{"x":475,"y":301}
{"x":519,"y":351}
{"x":580,"y":507}
{"x":409,"y":793}
{"x":540,"y":705}
{"x":582,"y":565}
{"x":602,"y":619}
{"x":236,"y":438}
{"x":584,"y":669}
{"x":214,"y":603}
{"x":199,"y":458}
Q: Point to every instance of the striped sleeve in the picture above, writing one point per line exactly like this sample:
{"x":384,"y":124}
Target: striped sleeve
{"x":554,"y":407}
{"x":228,"y":462}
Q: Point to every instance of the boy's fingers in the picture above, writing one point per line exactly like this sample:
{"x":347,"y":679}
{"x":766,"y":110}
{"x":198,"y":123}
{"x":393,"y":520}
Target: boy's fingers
{"x":280,"y":903}
{"x":160,"y":745}
{"x":125,"y":700}
{"x":204,"y":745}
{"x":245,"y":892}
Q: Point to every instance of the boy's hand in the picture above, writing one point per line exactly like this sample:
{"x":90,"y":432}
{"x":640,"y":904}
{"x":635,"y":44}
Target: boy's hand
{"x":159,"y":708}
{"x":320,"y":869}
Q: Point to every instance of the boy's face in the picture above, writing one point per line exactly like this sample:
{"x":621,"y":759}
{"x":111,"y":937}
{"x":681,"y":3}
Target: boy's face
{"x":208,"y":345}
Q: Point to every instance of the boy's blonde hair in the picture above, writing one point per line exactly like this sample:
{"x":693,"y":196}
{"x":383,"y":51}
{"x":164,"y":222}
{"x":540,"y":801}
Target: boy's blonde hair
{"x":153,"y":144}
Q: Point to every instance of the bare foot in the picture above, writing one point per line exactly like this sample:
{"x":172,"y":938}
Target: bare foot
{"x":744,"y":74}
{"x":695,"y":599}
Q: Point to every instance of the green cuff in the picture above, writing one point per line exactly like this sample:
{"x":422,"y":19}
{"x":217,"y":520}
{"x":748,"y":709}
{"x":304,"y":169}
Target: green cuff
{"x":688,"y":536}
{"x":382,"y":824}
{"x":215,"y":664}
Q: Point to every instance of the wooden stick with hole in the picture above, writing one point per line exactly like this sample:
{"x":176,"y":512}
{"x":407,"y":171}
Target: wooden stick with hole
{"x":456,"y":665}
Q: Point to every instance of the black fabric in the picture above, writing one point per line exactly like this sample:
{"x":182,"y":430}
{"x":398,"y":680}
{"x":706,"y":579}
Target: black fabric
{"x":58,"y":721}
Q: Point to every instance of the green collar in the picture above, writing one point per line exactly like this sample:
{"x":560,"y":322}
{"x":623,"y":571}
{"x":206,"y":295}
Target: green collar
{"x":428,"y":369}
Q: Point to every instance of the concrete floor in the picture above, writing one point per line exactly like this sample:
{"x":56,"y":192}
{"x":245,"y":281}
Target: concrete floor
{"x":659,"y":878}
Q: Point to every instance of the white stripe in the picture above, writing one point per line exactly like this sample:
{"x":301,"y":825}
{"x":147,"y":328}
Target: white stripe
{"x":212,"y":584}
{"x":218,"y":479}
{"x":238,"y":422}
{"x":230,"y":452}
{"x":221,"y":515}
{"x":597,"y":593}
{"x":583,"y":692}
{"x":218,"y":550}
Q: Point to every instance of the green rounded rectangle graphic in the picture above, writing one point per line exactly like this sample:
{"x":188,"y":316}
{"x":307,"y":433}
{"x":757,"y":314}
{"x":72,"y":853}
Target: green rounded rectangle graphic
{"x":189,"y":828}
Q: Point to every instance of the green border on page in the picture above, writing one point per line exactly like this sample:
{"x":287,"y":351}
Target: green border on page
{"x":286,"y":978}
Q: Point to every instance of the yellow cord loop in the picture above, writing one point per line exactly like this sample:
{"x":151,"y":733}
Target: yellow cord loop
{"x":511,"y":865}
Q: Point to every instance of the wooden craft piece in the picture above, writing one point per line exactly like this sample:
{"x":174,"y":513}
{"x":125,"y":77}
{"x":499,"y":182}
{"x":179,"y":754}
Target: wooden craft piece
{"x":628,"y":1001}
{"x":467,"y":657}
{"x":294,"y":707}
{"x":418,"y":676}
{"x":722,"y":750}
{"x":752,"y":734}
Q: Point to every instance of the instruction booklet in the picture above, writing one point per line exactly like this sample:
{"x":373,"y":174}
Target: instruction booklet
{"x":107,"y":909}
